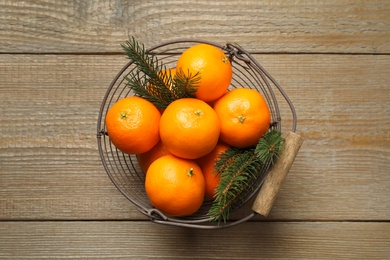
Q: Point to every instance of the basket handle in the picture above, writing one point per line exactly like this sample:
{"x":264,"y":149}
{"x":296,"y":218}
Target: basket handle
{"x":278,"y":173}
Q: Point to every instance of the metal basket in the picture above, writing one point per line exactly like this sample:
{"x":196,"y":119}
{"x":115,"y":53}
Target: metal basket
{"x":123,"y":169}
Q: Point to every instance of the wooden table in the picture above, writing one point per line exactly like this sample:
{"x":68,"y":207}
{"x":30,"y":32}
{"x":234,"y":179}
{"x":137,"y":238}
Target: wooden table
{"x":57,"y":59}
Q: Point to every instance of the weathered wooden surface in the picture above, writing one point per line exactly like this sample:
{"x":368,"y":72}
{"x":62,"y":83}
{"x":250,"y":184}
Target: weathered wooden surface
{"x":57,"y":59}
{"x":266,"y":26}
{"x":51,"y":167}
{"x":140,"y":240}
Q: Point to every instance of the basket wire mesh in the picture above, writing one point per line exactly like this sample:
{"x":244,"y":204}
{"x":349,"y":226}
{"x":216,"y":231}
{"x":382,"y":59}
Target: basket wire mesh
{"x":123,"y":169}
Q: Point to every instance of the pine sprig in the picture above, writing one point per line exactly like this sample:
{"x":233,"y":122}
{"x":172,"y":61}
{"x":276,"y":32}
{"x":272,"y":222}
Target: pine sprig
{"x":137,"y":82}
{"x":269,"y":147}
{"x":155,"y":84}
{"x":234,"y":181}
{"x":185,"y":85}
{"x":240,"y":170}
{"x":146,"y":63}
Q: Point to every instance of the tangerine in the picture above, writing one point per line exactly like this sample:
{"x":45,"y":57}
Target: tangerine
{"x":147,"y":158}
{"x":214,"y":68}
{"x":244,"y":116}
{"x":211,"y":175}
{"x":175,"y":185}
{"x":189,"y":128}
{"x":133,"y":125}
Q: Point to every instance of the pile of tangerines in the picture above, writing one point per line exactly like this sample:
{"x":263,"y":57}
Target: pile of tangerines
{"x":177,"y":147}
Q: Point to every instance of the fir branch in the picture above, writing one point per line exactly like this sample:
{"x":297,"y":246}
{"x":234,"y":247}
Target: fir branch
{"x":269,"y":146}
{"x":234,"y":182}
{"x":240,"y":171}
{"x":148,"y":64}
{"x":137,"y":82}
{"x":185,"y":85}
{"x":156,"y":85}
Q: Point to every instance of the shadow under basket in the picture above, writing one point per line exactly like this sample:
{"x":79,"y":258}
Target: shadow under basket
{"x":126,"y":175}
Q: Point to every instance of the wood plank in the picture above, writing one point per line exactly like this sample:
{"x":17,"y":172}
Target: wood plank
{"x":140,"y":240}
{"x":343,"y":108}
{"x":49,"y":157}
{"x":342,"y":26}
{"x":50,"y":167}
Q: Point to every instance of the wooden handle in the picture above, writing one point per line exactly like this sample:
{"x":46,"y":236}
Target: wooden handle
{"x":273,"y":181}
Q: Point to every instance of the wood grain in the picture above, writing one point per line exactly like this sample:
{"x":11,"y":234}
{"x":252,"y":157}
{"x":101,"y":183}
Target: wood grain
{"x":57,"y":59}
{"x":140,"y":240}
{"x":50,"y":167}
{"x":337,"y":26}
